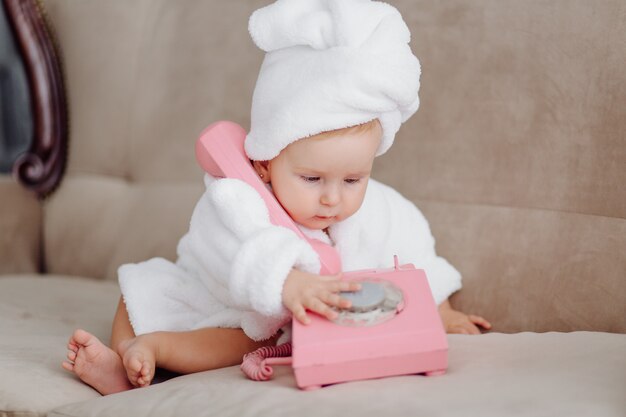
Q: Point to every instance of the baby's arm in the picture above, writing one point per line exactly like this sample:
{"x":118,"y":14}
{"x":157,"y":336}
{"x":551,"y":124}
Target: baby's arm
{"x":410,"y":238}
{"x":455,"y":321}
{"x":318,"y":293}
{"x":262,"y":258}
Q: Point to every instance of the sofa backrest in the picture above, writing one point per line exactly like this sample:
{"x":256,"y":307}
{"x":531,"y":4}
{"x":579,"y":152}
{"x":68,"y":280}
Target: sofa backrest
{"x":516,"y":155}
{"x":143,"y":78}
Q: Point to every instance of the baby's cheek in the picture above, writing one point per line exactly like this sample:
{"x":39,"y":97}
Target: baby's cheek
{"x":350,"y":208}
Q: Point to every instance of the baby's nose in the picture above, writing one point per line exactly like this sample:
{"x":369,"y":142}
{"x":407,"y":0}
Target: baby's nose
{"x":330,"y":196}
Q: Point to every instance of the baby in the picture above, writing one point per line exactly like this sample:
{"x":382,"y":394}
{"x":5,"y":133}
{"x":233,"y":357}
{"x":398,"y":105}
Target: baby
{"x":337,"y":81}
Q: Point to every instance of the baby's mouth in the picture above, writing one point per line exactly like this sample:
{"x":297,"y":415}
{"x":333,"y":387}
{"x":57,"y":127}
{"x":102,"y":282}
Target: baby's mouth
{"x":324,"y":217}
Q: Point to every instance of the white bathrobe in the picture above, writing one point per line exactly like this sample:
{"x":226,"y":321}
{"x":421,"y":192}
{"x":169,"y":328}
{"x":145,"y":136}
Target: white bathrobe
{"x":233,"y":262}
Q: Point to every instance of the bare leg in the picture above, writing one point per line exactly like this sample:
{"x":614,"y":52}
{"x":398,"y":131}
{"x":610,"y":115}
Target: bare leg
{"x":181,"y":352}
{"x":185,"y":352}
{"x":132,"y":361}
{"x":121,"y":330}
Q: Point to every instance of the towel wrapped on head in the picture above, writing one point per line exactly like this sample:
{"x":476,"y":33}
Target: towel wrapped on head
{"x":329,"y":64}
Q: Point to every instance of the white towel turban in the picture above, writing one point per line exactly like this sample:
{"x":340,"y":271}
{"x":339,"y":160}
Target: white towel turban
{"x":329,"y":64}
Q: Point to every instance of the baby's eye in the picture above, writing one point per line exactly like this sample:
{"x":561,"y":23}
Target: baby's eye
{"x":352,"y":180}
{"x":310,"y":179}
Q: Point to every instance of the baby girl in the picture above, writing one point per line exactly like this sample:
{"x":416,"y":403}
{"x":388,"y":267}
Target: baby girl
{"x":337,"y":81}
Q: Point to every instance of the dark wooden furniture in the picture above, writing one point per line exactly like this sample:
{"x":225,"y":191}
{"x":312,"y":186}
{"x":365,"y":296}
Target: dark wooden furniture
{"x":41,"y":168}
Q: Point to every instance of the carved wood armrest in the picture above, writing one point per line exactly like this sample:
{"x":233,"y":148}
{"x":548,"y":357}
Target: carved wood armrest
{"x":41,"y":168}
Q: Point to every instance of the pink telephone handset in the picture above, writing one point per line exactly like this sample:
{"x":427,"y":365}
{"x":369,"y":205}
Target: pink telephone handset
{"x":220,"y":152}
{"x":393,"y":327}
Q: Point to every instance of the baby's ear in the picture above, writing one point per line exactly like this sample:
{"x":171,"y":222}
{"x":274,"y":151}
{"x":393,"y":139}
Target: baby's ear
{"x":263,"y":169}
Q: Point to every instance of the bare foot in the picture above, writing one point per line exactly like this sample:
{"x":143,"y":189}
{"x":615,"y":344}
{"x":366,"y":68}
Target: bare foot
{"x":139,"y":359}
{"x":96,"y":364}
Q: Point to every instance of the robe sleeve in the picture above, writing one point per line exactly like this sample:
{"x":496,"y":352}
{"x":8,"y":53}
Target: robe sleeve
{"x":231,"y":228}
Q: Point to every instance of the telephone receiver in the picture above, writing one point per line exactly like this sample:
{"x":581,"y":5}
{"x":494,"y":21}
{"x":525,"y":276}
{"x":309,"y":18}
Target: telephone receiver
{"x":220,"y":152}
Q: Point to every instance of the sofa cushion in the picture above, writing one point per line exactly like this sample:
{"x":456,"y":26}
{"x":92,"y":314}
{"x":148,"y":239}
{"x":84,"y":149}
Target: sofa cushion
{"x":145,"y":77}
{"x":531,"y":269}
{"x":37,"y":316}
{"x":94,"y":224}
{"x":495,"y":374}
{"x":161,"y":72}
{"x":20,"y":228}
{"x":525,"y":374}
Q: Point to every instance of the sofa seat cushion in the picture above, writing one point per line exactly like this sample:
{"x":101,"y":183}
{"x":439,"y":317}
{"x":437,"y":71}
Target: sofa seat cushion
{"x":37,"y":316}
{"x":524,"y":374}
{"x":580,"y":373}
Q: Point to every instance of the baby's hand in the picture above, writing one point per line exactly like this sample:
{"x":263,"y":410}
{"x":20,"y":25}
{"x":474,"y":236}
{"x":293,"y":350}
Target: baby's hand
{"x":455,"y":321}
{"x":317,"y":293}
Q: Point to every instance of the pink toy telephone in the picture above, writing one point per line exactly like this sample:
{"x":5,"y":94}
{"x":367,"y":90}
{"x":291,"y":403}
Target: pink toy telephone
{"x":392,"y":328}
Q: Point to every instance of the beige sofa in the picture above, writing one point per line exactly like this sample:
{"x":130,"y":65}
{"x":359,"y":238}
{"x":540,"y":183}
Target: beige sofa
{"x":517,"y":157}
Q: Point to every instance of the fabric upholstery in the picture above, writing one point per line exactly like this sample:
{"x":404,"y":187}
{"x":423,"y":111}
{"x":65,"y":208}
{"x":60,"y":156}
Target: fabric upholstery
{"x":161,"y":55}
{"x":94,"y":224}
{"x":521,"y":107}
{"x":37,"y":316}
{"x":489,"y":376}
{"x":518,"y":144}
{"x":535,"y":269}
{"x":20,"y":228}
{"x":525,"y":374}
{"x":161,"y":71}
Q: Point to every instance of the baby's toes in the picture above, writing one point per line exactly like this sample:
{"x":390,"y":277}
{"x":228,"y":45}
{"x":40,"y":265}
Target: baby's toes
{"x":458,"y":330}
{"x":133,"y":369}
{"x":145,"y":375}
{"x":68,"y":366}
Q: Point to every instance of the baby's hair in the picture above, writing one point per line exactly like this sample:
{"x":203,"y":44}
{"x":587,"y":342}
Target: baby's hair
{"x":363,"y":127}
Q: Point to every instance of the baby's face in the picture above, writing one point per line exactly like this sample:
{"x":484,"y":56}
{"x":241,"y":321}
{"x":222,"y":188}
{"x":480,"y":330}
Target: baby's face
{"x":321,"y":180}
